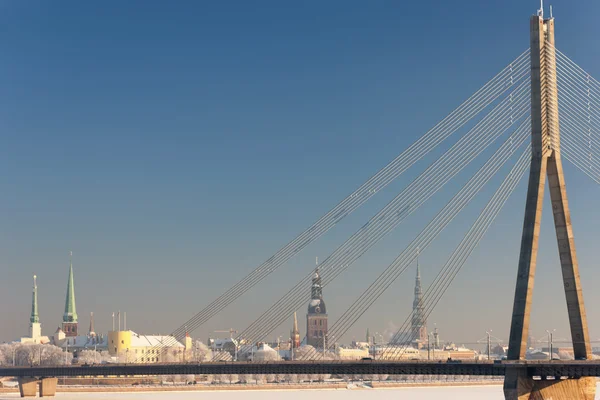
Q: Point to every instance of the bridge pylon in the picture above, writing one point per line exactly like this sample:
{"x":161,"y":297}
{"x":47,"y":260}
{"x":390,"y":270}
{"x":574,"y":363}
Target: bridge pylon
{"x":546,"y":161}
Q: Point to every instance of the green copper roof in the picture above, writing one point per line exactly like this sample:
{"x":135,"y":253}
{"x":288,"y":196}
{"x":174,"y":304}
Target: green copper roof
{"x":34,"y":304}
{"x":70,"y":310}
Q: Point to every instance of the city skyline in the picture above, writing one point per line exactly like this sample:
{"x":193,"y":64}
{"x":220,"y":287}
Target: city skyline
{"x":302,"y":335}
{"x":170,"y":195}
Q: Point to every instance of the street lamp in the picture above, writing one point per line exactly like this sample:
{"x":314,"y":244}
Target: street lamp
{"x":429,"y":347}
{"x":550,"y":333}
{"x":489,"y":343}
{"x":431,"y":335}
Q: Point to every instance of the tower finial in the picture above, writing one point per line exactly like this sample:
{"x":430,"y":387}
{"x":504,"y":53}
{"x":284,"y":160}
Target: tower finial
{"x":418,"y":267}
{"x":541,"y":10}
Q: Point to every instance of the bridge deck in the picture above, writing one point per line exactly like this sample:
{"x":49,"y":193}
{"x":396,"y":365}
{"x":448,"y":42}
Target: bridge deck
{"x":556,"y":369}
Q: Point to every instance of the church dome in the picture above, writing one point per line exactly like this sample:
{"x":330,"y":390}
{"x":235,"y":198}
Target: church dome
{"x":317,"y":306}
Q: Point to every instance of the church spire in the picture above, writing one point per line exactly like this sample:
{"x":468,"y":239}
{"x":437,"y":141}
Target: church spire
{"x":418,"y":289}
{"x":70,"y":310}
{"x":35,"y":318}
{"x":419,"y":323}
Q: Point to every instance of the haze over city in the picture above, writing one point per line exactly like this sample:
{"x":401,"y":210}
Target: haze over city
{"x":173,"y":148}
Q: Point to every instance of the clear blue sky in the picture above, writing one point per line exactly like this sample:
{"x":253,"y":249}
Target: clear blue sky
{"x":175,"y":146}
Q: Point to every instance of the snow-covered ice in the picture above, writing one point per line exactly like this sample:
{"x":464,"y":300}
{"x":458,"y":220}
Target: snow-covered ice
{"x":414,"y":393}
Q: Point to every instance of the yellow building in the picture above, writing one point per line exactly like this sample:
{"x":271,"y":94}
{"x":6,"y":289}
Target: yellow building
{"x":131,"y":347}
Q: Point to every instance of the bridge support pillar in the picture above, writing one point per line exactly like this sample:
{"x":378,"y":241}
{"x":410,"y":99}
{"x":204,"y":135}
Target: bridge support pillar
{"x":28,"y":387}
{"x":48,"y":387}
{"x":519,"y":386}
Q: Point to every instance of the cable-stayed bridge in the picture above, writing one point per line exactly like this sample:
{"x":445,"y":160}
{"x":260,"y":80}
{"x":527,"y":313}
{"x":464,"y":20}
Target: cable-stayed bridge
{"x":539,"y":107}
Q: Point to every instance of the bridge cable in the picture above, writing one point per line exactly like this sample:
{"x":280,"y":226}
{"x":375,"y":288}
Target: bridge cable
{"x":454,"y":121}
{"x":428,"y":234}
{"x":358,"y":244}
{"x":453,"y":265}
{"x":580,"y":104}
{"x":446,"y":165}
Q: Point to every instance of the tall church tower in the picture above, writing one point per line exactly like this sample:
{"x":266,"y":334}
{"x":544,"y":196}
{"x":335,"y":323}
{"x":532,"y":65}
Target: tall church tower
{"x":316,"y":318}
{"x":35,"y":328}
{"x":69,"y":325}
{"x":419,"y":322}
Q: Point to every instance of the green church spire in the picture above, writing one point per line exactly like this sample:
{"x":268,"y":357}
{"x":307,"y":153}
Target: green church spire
{"x":70,"y":310}
{"x":35,"y":318}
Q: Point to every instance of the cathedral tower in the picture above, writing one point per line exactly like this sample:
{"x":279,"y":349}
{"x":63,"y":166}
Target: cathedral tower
{"x":316,"y":318}
{"x":69,"y":325}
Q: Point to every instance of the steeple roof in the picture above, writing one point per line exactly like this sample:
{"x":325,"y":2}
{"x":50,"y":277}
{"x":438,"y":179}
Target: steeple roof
{"x":35,"y":318}
{"x":70,"y":310}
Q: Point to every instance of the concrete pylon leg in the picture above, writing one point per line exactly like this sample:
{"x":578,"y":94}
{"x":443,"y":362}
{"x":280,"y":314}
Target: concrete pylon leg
{"x":565,"y":389}
{"x":518,"y":386}
{"x":48,"y":387}
{"x":28,"y":387}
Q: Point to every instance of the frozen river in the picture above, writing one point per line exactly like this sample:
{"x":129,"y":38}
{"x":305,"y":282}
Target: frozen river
{"x":418,"y":393}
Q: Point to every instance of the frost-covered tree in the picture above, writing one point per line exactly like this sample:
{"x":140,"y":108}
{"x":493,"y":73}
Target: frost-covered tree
{"x":28,"y":354}
{"x":563,"y":355}
{"x":201,"y":352}
{"x":308,"y":352}
{"x":93,"y":357}
{"x":173,"y":354}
